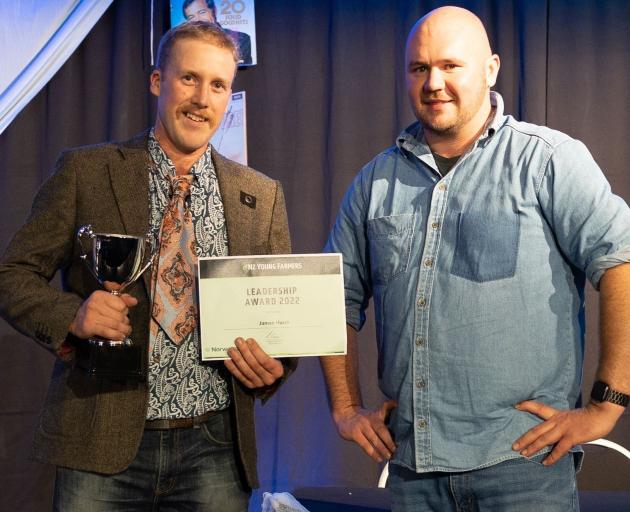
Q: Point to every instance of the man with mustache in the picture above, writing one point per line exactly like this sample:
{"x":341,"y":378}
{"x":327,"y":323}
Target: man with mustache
{"x":474,"y":235}
{"x":184,"y":439}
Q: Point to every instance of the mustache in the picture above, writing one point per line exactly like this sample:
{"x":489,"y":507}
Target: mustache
{"x":195,"y":111}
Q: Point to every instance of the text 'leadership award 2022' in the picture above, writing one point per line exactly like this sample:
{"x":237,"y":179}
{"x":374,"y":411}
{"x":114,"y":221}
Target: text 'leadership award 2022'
{"x":292,"y":305}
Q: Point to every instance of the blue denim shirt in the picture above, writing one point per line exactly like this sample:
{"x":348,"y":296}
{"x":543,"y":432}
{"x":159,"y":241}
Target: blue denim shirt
{"x":478,"y":282}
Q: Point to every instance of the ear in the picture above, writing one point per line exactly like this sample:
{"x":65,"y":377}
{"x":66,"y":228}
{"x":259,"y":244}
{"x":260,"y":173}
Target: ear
{"x":154,"y":81}
{"x":492,"y":70}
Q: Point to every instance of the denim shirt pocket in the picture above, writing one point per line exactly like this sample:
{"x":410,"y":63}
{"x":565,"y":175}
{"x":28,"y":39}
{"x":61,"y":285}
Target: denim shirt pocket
{"x":389,"y":245}
{"x":487,"y":246}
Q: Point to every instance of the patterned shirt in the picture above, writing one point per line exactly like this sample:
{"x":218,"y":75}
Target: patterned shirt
{"x":180,"y":385}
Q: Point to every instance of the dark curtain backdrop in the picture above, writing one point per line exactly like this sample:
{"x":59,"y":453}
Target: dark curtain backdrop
{"x":328,"y":93}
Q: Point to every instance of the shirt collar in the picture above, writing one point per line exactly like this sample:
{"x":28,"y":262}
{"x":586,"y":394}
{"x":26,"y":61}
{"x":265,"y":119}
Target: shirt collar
{"x":201,"y":167}
{"x":496,"y":116}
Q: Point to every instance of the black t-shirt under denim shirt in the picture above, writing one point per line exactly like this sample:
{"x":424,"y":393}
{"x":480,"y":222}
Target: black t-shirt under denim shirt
{"x":445,"y":164}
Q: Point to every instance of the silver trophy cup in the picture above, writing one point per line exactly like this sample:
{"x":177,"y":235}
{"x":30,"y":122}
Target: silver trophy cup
{"x":116,"y":261}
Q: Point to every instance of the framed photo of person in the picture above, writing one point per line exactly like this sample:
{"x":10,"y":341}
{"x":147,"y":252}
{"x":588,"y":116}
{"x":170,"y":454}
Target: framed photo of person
{"x":236,"y":17}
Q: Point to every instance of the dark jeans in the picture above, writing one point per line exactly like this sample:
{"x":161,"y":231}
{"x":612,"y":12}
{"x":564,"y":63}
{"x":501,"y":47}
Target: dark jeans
{"x":178,"y":470}
{"x":518,"y":485}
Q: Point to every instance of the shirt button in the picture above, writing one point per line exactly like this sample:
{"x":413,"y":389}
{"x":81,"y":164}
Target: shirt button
{"x":442,"y":186}
{"x":422,"y":302}
{"x":420,"y":383}
{"x":422,"y":423}
{"x":435,"y":225}
{"x":428,"y":263}
{"x":419,"y":341}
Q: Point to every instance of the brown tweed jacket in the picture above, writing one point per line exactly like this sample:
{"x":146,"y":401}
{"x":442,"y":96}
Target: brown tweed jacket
{"x":93,"y":424}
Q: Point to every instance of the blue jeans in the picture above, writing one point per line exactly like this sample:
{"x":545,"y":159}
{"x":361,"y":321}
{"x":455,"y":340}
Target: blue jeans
{"x":518,"y":485}
{"x":178,"y":470}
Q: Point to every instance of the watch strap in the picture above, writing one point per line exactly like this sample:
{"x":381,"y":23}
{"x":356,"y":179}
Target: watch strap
{"x":602,"y":392}
{"x":617,"y":397}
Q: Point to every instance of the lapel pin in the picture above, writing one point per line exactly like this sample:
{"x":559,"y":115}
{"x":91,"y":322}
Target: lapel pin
{"x":248,"y":200}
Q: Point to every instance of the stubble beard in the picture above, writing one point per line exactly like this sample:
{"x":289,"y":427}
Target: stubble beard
{"x":445,"y":127}
{"x":453,"y":122}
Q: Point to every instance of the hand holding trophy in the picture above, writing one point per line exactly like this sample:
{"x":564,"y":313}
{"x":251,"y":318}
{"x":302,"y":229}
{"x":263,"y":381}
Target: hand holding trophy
{"x":116,"y":262}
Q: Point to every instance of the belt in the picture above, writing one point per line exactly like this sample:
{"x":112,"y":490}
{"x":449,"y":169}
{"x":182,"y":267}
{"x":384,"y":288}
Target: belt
{"x":179,"y":422}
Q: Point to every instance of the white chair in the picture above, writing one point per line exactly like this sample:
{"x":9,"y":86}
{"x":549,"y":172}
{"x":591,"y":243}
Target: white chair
{"x":613,"y":446}
{"x":382,"y":481}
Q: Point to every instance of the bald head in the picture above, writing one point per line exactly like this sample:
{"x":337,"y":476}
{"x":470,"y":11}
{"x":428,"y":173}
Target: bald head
{"x":450,"y":69}
{"x":452,"y":25}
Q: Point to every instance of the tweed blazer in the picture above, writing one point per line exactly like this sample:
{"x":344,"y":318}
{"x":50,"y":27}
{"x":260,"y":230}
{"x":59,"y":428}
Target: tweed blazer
{"x":89,"y":423}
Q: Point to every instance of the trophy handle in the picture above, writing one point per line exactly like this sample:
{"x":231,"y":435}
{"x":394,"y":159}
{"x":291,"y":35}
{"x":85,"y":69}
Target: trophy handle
{"x":84,"y":234}
{"x":142,"y":269}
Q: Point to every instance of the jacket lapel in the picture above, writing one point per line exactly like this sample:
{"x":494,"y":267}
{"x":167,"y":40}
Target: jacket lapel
{"x":130,"y":184}
{"x":238,"y":218}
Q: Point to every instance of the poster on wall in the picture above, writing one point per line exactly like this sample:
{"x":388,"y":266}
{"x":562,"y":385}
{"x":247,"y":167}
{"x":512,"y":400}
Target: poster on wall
{"x":236,"y":17}
{"x":231,"y":138}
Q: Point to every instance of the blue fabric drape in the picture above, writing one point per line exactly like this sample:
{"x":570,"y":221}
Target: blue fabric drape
{"x":37,"y":37}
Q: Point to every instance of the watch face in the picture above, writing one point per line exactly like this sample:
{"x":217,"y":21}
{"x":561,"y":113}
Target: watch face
{"x":603,"y":393}
{"x":600,"y":390}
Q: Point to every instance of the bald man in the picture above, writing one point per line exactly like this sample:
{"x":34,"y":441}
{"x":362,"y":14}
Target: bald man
{"x":473,"y":235}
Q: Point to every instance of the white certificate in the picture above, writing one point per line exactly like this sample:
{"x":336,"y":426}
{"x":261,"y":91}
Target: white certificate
{"x":292,"y":305}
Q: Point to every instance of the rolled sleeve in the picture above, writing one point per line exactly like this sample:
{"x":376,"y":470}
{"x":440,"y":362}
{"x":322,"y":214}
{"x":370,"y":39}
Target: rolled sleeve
{"x":591,"y":224}
{"x":596,"y":269}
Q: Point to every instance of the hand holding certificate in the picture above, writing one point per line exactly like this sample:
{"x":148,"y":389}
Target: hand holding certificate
{"x":292,"y":305}
{"x":251,"y":365}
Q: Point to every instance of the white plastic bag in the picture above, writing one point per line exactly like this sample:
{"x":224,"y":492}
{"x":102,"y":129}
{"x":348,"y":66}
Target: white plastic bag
{"x":281,"y":502}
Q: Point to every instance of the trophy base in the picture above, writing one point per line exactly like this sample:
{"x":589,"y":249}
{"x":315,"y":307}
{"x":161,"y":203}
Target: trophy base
{"x":114,"y":361}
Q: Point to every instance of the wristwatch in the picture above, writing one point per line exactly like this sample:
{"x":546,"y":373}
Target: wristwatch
{"x":602,"y":392}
